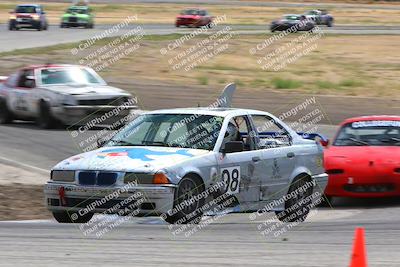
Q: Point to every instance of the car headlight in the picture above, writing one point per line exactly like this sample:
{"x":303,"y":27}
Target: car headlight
{"x":145,"y":178}
{"x":62,"y":176}
{"x":35,"y":16}
{"x":69,"y":100}
{"x":12,"y":17}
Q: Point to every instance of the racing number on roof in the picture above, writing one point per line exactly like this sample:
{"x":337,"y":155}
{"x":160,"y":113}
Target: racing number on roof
{"x":231,"y":178}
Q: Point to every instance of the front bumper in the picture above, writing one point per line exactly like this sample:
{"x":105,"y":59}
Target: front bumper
{"x":151,"y":199}
{"x":25,"y":23}
{"x":363,"y":185}
{"x":93,"y":115}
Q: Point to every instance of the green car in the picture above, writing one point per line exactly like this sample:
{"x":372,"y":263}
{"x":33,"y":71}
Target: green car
{"x":77,"y":16}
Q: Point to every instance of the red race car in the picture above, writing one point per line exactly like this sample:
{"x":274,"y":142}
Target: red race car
{"x":194,"y":17}
{"x":364,"y":158}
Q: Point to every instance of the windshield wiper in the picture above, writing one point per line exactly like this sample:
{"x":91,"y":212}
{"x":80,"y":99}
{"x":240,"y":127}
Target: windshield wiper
{"x":124,"y":143}
{"x":153,"y":143}
{"x":391,"y":139}
{"x":358,"y":141}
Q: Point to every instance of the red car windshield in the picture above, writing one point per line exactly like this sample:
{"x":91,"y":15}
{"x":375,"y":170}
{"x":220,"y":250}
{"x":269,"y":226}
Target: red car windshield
{"x":26,"y":9}
{"x":369,"y":133}
{"x":190,"y":12}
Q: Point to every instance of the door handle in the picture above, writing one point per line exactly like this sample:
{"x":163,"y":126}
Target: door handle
{"x":255,"y":159}
{"x":290,"y":155}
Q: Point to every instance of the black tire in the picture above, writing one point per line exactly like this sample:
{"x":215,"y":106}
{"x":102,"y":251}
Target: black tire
{"x":65,"y":217}
{"x":39,"y":28}
{"x":6,"y":115}
{"x":329,"y":23}
{"x":46,"y":26}
{"x":11,"y":27}
{"x":326,"y":201}
{"x":188,"y":187}
{"x":45,"y":119}
{"x":298,"y":207}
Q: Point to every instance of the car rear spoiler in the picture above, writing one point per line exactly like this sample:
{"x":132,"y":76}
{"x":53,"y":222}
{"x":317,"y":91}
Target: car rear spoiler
{"x":310,"y":136}
{"x":3,"y":78}
{"x":315,"y":136}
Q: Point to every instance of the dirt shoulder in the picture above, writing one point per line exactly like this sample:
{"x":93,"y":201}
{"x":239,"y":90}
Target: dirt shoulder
{"x":21,"y":194}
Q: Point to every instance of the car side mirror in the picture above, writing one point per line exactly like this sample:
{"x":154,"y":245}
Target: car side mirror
{"x":233,"y":146}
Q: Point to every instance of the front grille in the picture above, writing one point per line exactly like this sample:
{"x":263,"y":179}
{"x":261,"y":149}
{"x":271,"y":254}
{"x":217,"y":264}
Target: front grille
{"x":87,"y":178}
{"x":73,"y":19}
{"x":98,"y":203}
{"x":371,"y":188}
{"x":99,"y":102}
{"x":97,"y":178}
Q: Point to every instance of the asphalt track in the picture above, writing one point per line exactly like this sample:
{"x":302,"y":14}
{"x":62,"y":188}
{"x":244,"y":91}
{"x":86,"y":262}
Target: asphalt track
{"x":325,"y":239}
{"x":27,"y":38}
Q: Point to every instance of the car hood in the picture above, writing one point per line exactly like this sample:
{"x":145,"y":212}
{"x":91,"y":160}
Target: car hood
{"x":362,"y":154}
{"x":76,"y":89}
{"x":129,"y":159}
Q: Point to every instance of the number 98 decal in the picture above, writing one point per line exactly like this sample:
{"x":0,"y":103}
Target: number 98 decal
{"x":231,"y":178}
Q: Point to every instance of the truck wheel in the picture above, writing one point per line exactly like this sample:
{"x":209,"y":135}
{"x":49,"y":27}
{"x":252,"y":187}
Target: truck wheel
{"x":65,"y":217}
{"x":6,"y":115}
{"x":188,"y":187}
{"x":298,"y":202}
{"x":45,"y":119}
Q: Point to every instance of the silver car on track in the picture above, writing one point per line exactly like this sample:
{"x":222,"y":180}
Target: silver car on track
{"x":175,"y":162}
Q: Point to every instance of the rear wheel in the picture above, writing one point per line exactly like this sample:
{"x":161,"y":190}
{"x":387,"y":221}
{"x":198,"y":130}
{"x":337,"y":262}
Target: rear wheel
{"x":298,"y":201}
{"x":188,"y":187}
{"x":66,"y":217}
{"x":45,"y":119}
{"x":6,"y":115}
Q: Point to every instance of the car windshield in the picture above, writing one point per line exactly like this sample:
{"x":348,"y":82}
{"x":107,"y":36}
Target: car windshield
{"x":68,"y":76}
{"x":369,"y":133}
{"x":170,"y":130}
{"x":26,"y":9}
{"x":292,"y":17}
{"x":190,"y":12}
{"x":77,"y":10}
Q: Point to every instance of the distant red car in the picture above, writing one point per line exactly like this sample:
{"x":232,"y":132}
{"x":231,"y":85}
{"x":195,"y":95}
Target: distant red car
{"x":364,"y":158}
{"x":194,"y":17}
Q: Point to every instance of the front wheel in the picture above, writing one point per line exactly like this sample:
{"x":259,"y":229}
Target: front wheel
{"x":298,"y":200}
{"x":45,"y":119}
{"x":187,"y":203}
{"x":6,"y":115}
{"x":66,"y":217}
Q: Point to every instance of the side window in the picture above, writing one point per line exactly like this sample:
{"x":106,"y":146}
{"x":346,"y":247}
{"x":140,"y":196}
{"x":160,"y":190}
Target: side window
{"x":271,"y":134}
{"x":25,"y":80}
{"x":239,"y":130}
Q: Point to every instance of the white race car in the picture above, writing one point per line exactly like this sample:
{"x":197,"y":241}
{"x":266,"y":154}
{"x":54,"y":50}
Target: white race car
{"x":68,"y":94}
{"x":181,"y":162}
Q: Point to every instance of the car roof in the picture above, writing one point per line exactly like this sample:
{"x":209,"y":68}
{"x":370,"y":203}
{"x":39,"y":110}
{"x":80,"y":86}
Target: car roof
{"x":79,"y":7}
{"x":35,"y":5}
{"x":42,"y":66}
{"x":223,"y":112}
{"x":372,"y":118}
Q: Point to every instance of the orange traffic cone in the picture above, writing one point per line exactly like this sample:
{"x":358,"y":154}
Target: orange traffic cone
{"x":359,"y":256}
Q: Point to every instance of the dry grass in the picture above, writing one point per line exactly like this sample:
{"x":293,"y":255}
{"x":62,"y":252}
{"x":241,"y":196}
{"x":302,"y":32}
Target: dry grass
{"x":165,"y":13}
{"x":340,"y":65}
